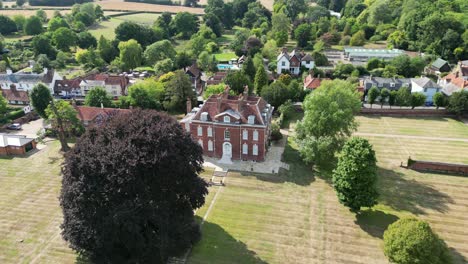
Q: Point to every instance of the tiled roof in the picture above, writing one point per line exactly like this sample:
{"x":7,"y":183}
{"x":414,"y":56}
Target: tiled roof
{"x":15,"y":95}
{"x":454,"y":79}
{"x":425,"y":82}
{"x":313,"y":83}
{"x":87,"y":113}
{"x":439,"y":63}
{"x":67,"y":85}
{"x":450,"y":88}
{"x":194,"y":70}
{"x":240,"y":107}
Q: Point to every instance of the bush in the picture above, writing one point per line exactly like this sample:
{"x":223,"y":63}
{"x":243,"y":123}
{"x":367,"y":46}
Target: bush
{"x":411,"y":240}
{"x":275,"y":132}
{"x":15,"y":114}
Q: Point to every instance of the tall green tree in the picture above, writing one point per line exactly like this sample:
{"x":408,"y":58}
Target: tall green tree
{"x":159,"y":50}
{"x":372,"y":95}
{"x":69,"y":121}
{"x":7,"y":25}
{"x":261,"y":80}
{"x":41,"y":44}
{"x":355,"y":176}
{"x":403,"y":97}
{"x":130,"y":54}
{"x":56,"y":23}
{"x":64,"y":38}
{"x":248,"y":68}
{"x":303,"y":34}
{"x":237,"y":80}
{"x":458,"y":103}
{"x":107,"y":51}
{"x":275,"y":94}
{"x":33,"y":26}
{"x":417,"y":99}
{"x":152,"y":202}
{"x":98,"y":97}
{"x":40,"y":99}
{"x":328,"y":121}
{"x":410,"y":240}
{"x":185,"y":24}
{"x":439,"y":100}
{"x":3,"y":104}
{"x":384,"y":94}
{"x":392,"y":98}
{"x":147,"y":94}
{"x":178,"y":91}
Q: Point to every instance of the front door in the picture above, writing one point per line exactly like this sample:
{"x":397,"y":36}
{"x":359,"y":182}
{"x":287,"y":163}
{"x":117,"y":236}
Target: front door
{"x":227,"y":151}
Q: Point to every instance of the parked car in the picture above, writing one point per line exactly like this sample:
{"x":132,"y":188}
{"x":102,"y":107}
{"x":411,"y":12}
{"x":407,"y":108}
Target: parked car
{"x":14,"y":126}
{"x":68,"y":96}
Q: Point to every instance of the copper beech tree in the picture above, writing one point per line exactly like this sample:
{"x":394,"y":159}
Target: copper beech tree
{"x":129,"y":190}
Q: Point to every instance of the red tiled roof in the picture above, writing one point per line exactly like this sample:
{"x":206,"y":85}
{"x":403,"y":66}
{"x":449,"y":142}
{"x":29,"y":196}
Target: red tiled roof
{"x":15,"y":95}
{"x":88,"y":113}
{"x":194,"y":70}
{"x":67,"y":85}
{"x":313,"y":83}
{"x":456,"y":80}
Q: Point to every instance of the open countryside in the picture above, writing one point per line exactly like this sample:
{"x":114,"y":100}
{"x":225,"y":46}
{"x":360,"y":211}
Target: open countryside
{"x":242,"y":226}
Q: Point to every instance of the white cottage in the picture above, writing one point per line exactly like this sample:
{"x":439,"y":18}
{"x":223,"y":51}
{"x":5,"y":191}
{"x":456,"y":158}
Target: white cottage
{"x":292,"y":62}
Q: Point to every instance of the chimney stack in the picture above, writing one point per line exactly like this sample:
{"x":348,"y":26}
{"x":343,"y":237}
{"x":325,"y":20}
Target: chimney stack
{"x":189,"y":105}
{"x":13,"y":88}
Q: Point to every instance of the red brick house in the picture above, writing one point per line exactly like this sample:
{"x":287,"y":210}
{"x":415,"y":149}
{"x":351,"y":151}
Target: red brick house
{"x":231,"y":127}
{"x":94,"y":115}
{"x":16,"y":144}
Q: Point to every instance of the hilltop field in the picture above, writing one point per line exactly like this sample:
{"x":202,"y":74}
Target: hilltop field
{"x":291,"y":218}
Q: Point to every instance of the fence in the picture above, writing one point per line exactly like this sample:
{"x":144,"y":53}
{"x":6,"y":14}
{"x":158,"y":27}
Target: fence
{"x":438,"y":167}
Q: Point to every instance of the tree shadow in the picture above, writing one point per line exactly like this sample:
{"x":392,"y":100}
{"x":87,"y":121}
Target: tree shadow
{"x":375,"y":222}
{"x":401,"y":193}
{"x":457,"y":256}
{"x":218,"y":246}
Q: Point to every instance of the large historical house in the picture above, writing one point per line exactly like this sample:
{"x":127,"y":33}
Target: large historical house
{"x":24,"y":81}
{"x":231,"y":127}
{"x":115,"y":85}
{"x":292,"y":62}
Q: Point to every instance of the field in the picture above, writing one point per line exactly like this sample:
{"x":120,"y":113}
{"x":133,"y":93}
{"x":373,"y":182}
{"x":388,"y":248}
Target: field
{"x":107,"y":28}
{"x":291,"y":218}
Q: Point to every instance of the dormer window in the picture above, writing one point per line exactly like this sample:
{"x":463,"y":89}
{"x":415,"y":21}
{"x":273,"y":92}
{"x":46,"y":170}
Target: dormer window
{"x":227,"y":119}
{"x":392,"y":84}
{"x":251,"y":119}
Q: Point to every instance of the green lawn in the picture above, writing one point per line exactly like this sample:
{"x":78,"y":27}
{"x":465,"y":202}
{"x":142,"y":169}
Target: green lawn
{"x":107,"y":28}
{"x":293,"y":217}
{"x":225,"y":56}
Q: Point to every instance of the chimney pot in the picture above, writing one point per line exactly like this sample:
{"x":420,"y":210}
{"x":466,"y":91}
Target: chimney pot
{"x":189,"y":105}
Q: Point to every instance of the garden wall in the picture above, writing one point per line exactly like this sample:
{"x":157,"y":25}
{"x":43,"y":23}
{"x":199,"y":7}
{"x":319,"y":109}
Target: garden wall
{"x":429,"y":166}
{"x":406,"y":112}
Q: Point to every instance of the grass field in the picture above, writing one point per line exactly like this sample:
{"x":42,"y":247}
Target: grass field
{"x":226,"y":56}
{"x":291,"y":218}
{"x":107,"y":28}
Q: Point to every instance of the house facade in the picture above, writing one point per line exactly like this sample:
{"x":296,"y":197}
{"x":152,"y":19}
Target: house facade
{"x":15,"y":144}
{"x":426,"y":86}
{"x":455,"y":81}
{"x":15,"y":97}
{"x":195,"y":75}
{"x":231,"y":127}
{"x":26,"y":81}
{"x":437,"y":67}
{"x":292,"y":62}
{"x":115,"y":85}
{"x":389,"y":83}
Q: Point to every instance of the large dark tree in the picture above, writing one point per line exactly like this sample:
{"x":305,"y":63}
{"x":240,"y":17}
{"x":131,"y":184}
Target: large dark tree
{"x":40,"y":99}
{"x":129,"y":190}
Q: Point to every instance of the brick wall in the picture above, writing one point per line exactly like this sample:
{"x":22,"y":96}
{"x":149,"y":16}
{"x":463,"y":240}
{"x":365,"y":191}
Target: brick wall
{"x":419,"y":165}
{"x":406,"y":112}
{"x":235,"y":140}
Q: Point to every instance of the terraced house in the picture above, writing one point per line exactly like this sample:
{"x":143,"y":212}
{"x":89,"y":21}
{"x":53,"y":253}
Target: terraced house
{"x":25,"y":81}
{"x":231,"y":127}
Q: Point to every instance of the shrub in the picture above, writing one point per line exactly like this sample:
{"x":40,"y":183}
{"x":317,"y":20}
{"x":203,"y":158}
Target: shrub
{"x":275,"y":132}
{"x":410,"y":240}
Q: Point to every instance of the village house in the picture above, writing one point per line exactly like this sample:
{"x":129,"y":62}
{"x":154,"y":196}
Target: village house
{"x":217,"y":78}
{"x":437,"y":67}
{"x":389,"y":83}
{"x":16,"y":144}
{"x":115,"y":85}
{"x":96,"y":115}
{"x":26,"y":81}
{"x":312,"y":83}
{"x":455,"y":81}
{"x":195,"y":75}
{"x":426,"y":86}
{"x":15,"y":97}
{"x":292,"y":62}
{"x":231,"y":127}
